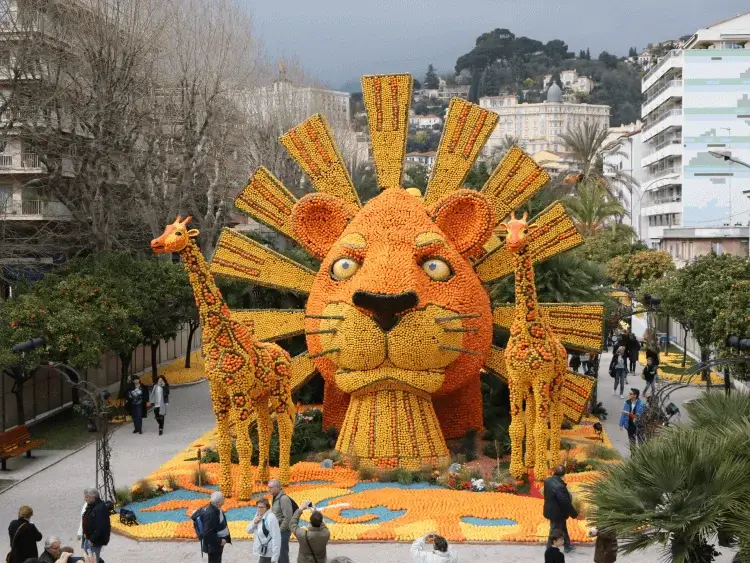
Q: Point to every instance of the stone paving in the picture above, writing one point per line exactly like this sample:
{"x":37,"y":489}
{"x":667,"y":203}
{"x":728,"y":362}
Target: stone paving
{"x":56,"y":495}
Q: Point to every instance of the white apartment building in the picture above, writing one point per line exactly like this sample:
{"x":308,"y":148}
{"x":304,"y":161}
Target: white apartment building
{"x":622,"y":153}
{"x":697,"y":100}
{"x":538,"y":126}
{"x":425,"y":159}
{"x":425,"y":122}
{"x":571,"y":80}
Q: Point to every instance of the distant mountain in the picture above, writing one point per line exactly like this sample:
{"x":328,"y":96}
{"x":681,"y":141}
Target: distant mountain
{"x":351,"y":86}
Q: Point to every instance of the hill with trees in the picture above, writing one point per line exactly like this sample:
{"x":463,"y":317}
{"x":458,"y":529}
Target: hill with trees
{"x":501,"y":62}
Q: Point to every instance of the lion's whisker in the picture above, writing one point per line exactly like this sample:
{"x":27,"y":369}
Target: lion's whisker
{"x":325,"y":352}
{"x":339,"y":317}
{"x":460,"y":329}
{"x":458,"y":349}
{"x":459,"y":316}
{"x":321,"y":331}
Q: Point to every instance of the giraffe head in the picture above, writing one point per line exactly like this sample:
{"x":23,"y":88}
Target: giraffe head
{"x":516,"y":231}
{"x":175,"y":238}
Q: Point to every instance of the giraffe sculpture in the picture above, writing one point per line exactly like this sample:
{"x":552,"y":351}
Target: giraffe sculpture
{"x":536,"y":362}
{"x":244,"y":374}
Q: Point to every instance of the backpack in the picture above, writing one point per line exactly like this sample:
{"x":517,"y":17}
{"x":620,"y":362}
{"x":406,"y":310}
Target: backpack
{"x":199,"y":522}
{"x":295,"y":505}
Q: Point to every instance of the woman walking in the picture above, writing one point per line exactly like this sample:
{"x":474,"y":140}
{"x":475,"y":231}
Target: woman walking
{"x":159,"y":398}
{"x":138,"y":396}
{"x":618,"y":369}
{"x":23,"y":536}
{"x":266,"y":533}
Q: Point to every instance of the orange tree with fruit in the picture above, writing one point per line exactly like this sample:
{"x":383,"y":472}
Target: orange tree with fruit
{"x":398,"y":320}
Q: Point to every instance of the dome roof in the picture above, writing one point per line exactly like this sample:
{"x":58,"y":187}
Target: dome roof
{"x":554,"y":94}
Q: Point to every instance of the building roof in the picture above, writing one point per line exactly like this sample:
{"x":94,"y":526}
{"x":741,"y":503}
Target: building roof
{"x":728,"y":20}
{"x":418,"y":154}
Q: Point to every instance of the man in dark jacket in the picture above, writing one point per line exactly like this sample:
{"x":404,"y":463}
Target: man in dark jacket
{"x":95,"y":523}
{"x":558,"y":506}
{"x":313,"y":540}
{"x":216,"y":529}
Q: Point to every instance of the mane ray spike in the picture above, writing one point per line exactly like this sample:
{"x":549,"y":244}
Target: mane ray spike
{"x":516,"y":178}
{"x":268,"y":201}
{"x":387,"y":98}
{"x":467,"y":128}
{"x":312,"y":145}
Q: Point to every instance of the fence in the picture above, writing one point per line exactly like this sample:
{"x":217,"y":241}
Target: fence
{"x":46,"y":392}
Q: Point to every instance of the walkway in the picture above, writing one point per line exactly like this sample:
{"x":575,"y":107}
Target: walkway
{"x":56,"y":494}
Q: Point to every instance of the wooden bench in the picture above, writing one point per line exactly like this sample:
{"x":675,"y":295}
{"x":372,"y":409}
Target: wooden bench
{"x":15,"y":442}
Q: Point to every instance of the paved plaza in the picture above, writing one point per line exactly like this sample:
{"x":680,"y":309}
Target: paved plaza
{"x":55,"y":493}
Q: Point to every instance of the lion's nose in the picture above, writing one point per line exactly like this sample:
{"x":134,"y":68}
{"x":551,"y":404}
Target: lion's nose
{"x":385,"y":307}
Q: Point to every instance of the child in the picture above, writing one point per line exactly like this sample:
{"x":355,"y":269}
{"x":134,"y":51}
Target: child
{"x":606,"y":545}
{"x":649,"y":374}
{"x":553,"y":553}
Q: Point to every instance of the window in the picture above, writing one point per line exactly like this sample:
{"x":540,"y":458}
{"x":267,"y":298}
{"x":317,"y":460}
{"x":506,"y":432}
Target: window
{"x":717,"y":248}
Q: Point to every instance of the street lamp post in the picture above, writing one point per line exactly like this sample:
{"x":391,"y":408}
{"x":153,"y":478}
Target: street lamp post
{"x":640,"y":209}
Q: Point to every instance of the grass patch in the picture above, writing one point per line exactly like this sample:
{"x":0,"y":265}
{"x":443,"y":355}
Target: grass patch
{"x":600,"y":452}
{"x":65,"y":430}
{"x":123,"y":496}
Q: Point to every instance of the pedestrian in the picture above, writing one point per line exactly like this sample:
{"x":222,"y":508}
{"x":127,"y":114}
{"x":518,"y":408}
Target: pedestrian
{"x":23,"y":536}
{"x":281,"y":505}
{"x":634,"y":347}
{"x":586,"y":362}
{"x":618,"y":369}
{"x":553,"y":552}
{"x":137,"y":397}
{"x":575,"y":362}
{"x":52,"y":550}
{"x":605,"y":549}
{"x":159,"y":398}
{"x":215,"y":528}
{"x":558,"y":506}
{"x":630,"y":419}
{"x":95,"y":523}
{"x":80,"y":523}
{"x":312,"y":540}
{"x":649,"y":374}
{"x":266,"y":533}
{"x":440,"y":551}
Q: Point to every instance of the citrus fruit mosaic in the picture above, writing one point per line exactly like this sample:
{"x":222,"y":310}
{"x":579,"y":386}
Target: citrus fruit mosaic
{"x":397,"y":318}
{"x":357,"y":510}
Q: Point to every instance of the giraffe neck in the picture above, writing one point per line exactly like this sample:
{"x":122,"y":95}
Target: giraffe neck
{"x":526,"y":302}
{"x":208,"y":298}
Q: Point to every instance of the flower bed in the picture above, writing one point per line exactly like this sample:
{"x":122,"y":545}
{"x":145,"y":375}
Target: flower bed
{"x":176,"y":373}
{"x":670,"y":367}
{"x":374,"y":510}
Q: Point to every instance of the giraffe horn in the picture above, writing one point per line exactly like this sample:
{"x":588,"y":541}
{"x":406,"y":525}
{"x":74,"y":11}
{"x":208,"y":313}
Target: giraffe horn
{"x":179,"y":219}
{"x":525,"y":215}
{"x":188,"y":219}
{"x":513,"y":215}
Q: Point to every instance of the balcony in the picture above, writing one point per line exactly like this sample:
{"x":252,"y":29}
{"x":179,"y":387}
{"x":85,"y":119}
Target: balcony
{"x":673,"y":59}
{"x":33,"y":209}
{"x":672,"y":89}
{"x":29,"y":160}
{"x":661,"y":122}
{"x":20,"y":163}
{"x":669,"y":148}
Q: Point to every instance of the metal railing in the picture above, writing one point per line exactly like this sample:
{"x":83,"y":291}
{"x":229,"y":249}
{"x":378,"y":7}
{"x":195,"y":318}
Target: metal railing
{"x":662,"y":62}
{"x":660,"y":146}
{"x":667,"y":86}
{"x":29,"y":160}
{"x":41,"y":208}
{"x":665,"y":172}
{"x":661,"y":117}
{"x":6,"y":161}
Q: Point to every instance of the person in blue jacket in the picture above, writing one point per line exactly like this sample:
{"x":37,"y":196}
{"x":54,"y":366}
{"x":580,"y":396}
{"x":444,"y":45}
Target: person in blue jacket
{"x":630,"y":419}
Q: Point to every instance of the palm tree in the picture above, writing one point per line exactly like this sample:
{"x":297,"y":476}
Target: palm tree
{"x":593,"y":208}
{"x":683,"y":488}
{"x":585,"y":144}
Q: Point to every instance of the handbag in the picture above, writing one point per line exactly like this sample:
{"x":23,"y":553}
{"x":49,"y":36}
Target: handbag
{"x":8,"y":556}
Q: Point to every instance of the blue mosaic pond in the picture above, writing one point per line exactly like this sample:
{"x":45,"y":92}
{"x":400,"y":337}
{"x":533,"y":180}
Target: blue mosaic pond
{"x":488,"y":522}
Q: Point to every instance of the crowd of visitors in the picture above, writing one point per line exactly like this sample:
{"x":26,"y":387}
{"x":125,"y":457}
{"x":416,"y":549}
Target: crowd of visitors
{"x":93,"y":532}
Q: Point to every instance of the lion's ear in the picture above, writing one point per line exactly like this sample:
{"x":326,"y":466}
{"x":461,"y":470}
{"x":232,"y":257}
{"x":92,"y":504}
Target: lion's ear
{"x":318,"y":220}
{"x":466,"y":218}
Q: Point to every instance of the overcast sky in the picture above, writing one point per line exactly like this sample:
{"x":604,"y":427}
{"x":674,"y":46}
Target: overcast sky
{"x":339,"y":40}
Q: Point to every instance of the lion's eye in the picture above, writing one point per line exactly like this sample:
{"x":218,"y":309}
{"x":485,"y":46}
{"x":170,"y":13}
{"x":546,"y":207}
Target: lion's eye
{"x":343,"y":269}
{"x":437,"y":269}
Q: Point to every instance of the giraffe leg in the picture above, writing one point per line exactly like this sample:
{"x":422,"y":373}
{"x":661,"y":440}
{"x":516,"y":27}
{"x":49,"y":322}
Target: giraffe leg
{"x":516,"y":431}
{"x":245,"y":451}
{"x":556,"y":418}
{"x":286,"y":427}
{"x":224,"y":448}
{"x":530,"y":418}
{"x":541,"y":428}
{"x":265,"y":427}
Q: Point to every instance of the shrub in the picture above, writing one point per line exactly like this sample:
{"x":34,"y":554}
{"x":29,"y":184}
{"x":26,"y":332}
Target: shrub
{"x":599,"y":451}
{"x":366,"y":474}
{"x":599,"y":411}
{"x":566,"y":444}
{"x":123,"y":496}
{"x":143,"y":490}
{"x":469,"y":445}
{"x":172,"y":482}
{"x":199,"y":477}
{"x":567,"y":424}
